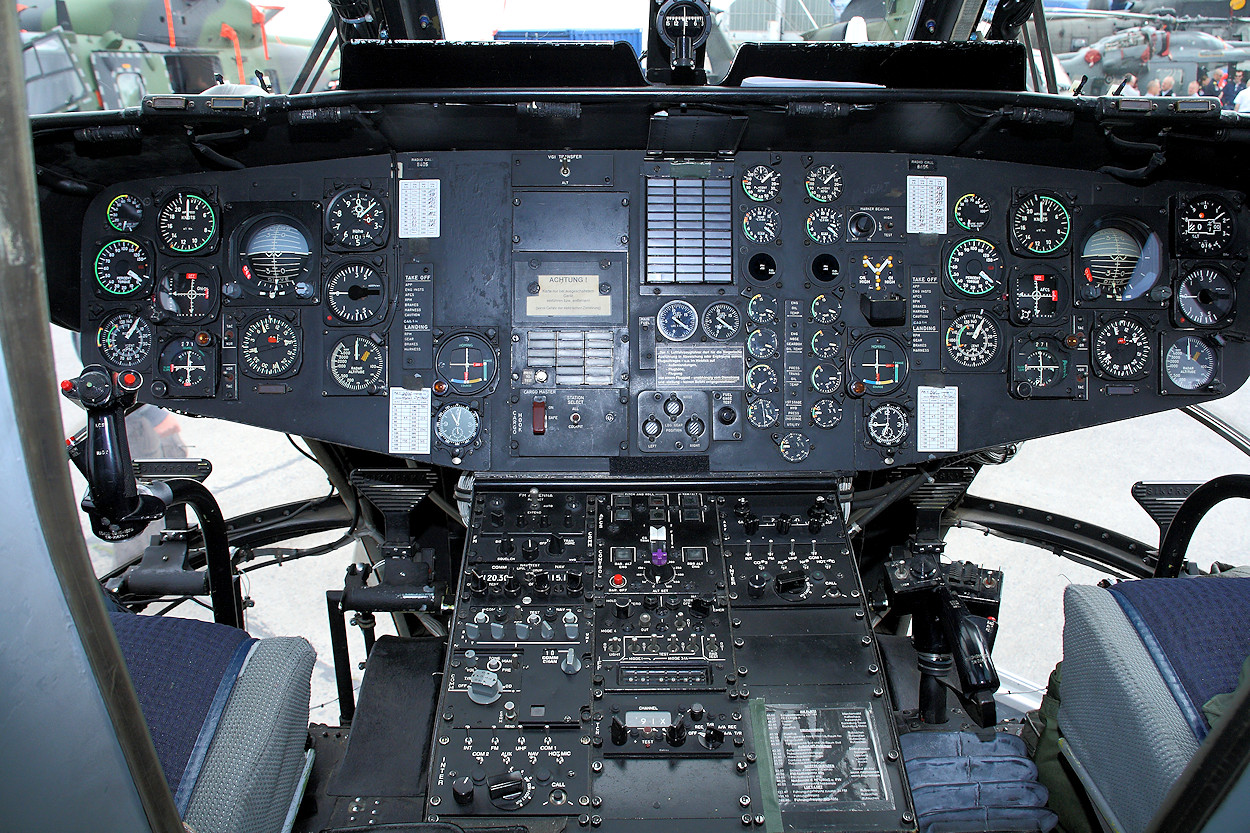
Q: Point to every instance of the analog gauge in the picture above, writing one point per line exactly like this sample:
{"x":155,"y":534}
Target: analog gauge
{"x":826,"y":378}
{"x":355,"y":292}
{"x":269,"y":346}
{"x":762,"y":344}
{"x":357,"y":364}
{"x":457,"y":425}
{"x":186,"y":223}
{"x":275,"y":256}
{"x":887,"y":425}
{"x":826,"y":308}
{"x":826,"y":413}
{"x":762,"y":224}
{"x":1205,"y":297}
{"x":879,"y":274}
{"x":1040,"y":224}
{"x":972,"y":212}
{"x":761,"y":267}
{"x":123,"y":268}
{"x":186,"y":366}
{"x":1040,"y":365}
{"x":124,"y":213}
{"x":877,"y":366}
{"x":188,"y":293}
{"x":1037,"y":296}
{"x":794,"y":447}
{"x":762,"y":308}
{"x":1121,"y":349}
{"x":467,"y":362}
{"x":824,"y":225}
{"x":974,"y":267}
{"x":825,"y":268}
{"x":356,"y":219}
{"x":721,"y":321}
{"x":824,"y":183}
{"x":1205,"y":226}
{"x":825,"y":343}
{"x":762,"y":379}
{"x":972,"y":339}
{"x":124,"y":339}
{"x":761,"y":183}
{"x":1119,"y":263}
{"x":1190,"y":363}
{"x":762,"y":413}
{"x":677,"y":320}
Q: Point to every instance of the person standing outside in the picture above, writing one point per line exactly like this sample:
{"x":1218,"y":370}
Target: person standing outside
{"x":1152,"y":87}
{"x":1166,"y":85}
{"x":1211,"y":89}
{"x":1232,"y":88}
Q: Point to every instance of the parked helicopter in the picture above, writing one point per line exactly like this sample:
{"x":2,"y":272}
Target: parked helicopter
{"x":1152,"y":52}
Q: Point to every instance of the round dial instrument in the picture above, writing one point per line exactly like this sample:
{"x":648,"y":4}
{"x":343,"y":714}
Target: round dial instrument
{"x":878,"y":363}
{"x":275,"y":255}
{"x":826,"y":413}
{"x":794,"y":447}
{"x":1040,"y":365}
{"x":123,"y":267}
{"x":887,"y":425}
{"x":186,"y":223}
{"x":762,"y":413}
{"x":762,"y":344}
{"x":185,"y":365}
{"x":1038,"y":296}
{"x":357,"y":364}
{"x":356,"y":219}
{"x":1205,"y":226}
{"x":762,"y":379}
{"x":188,"y":293}
{"x":826,"y":308}
{"x":825,"y":267}
{"x":467,"y":362}
{"x":761,"y":267}
{"x":1040,"y":224}
{"x":824,"y":225}
{"x":974,"y":267}
{"x":269,"y":346}
{"x":824,"y":183}
{"x":972,"y":212}
{"x":762,"y":224}
{"x":124,"y":339}
{"x":1205,"y":297}
{"x":355,"y":292}
{"x":1122,"y":263}
{"x":124,"y":213}
{"x":1121,"y":349}
{"x":457,"y":425}
{"x":721,"y":321}
{"x":972,"y":339}
{"x":762,"y":308}
{"x":677,"y":320}
{"x":761,"y":183}
{"x":826,"y":377}
{"x":825,"y":343}
{"x":1190,"y":363}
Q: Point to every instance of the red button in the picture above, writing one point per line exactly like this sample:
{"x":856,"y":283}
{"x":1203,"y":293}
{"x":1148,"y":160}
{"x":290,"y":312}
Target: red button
{"x":617,"y":580}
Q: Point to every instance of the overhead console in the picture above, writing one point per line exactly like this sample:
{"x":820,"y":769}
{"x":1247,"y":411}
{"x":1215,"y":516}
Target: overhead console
{"x":607,"y":311}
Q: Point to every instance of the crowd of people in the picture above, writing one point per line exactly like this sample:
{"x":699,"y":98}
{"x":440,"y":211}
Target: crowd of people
{"x":1230,"y":89}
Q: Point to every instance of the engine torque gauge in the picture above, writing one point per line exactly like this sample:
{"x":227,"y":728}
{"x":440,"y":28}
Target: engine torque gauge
{"x":124,"y":339}
{"x":677,"y":320}
{"x":824,"y":183}
{"x":972,"y":339}
{"x":269,"y":346}
{"x":761,"y":183}
{"x":357,"y":364}
{"x":824,"y":225}
{"x":186,"y":223}
{"x":762,"y":224}
{"x":1121,"y":349}
{"x":974,"y":267}
{"x":356,"y":219}
{"x":123,"y":267}
{"x":457,"y":425}
{"x":887,"y":425}
{"x":1205,"y":226}
{"x":355,"y":292}
{"x":124,"y":213}
{"x":877,"y":366}
{"x":972,"y":212}
{"x":721,"y":321}
{"x":467,"y":362}
{"x":1205,"y":297}
{"x":1040,"y":225}
{"x":1038,"y":296}
{"x":1190,"y":363}
{"x":762,"y":413}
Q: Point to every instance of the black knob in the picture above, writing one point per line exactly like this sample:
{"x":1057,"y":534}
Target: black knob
{"x":651,"y":601}
{"x":727,"y":415}
{"x":512,"y":585}
{"x":675,"y":734}
{"x":1089,"y":292}
{"x":506,"y":546}
{"x":791,"y":581}
{"x":619,"y":733}
{"x":496,"y":517}
{"x":756,"y":584}
{"x":462,"y":790}
{"x":697,"y":712}
{"x":783,"y":523}
{"x":477,"y":583}
{"x":815,"y":524}
{"x":659,"y":573}
{"x":742,"y":507}
{"x":751,"y":524}
{"x":541,"y":582}
{"x":702,"y":606}
{"x":508,"y":786}
{"x":555,"y":546}
{"x":713,"y":737}
{"x":573,"y":582}
{"x":622,"y":609}
{"x":862,"y":225}
{"x":529,"y":547}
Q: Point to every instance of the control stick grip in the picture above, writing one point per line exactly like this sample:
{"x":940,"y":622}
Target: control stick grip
{"x":106,"y":462}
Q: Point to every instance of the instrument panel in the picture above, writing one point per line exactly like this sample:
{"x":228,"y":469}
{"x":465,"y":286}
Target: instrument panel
{"x":607,"y":311}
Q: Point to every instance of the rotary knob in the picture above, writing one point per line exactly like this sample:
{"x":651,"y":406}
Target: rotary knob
{"x":783,"y":523}
{"x":555,"y":546}
{"x":541,"y":582}
{"x":462,"y":790}
{"x":757,"y":583}
{"x":702,"y":606}
{"x":573,"y":582}
{"x":512,"y":585}
{"x":751,"y":524}
{"x":477,"y":583}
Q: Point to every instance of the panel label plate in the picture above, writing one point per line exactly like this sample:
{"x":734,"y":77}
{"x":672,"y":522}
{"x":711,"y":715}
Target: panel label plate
{"x":420,"y":208}
{"x":938,"y":417}
{"x":926,"y":205}
{"x":827,"y":757}
{"x":568,"y":296}
{"x":698,"y":366}
{"x":409,"y":421}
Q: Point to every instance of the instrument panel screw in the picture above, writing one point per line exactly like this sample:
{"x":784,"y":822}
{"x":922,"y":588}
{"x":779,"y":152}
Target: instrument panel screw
{"x":596,"y":766}
{"x":435,"y":801}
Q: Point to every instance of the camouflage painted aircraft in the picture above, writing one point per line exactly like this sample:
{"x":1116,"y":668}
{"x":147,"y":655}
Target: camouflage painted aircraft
{"x":107,"y":54}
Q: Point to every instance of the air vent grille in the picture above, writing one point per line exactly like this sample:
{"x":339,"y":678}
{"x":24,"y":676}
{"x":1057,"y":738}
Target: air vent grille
{"x":579,"y":358}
